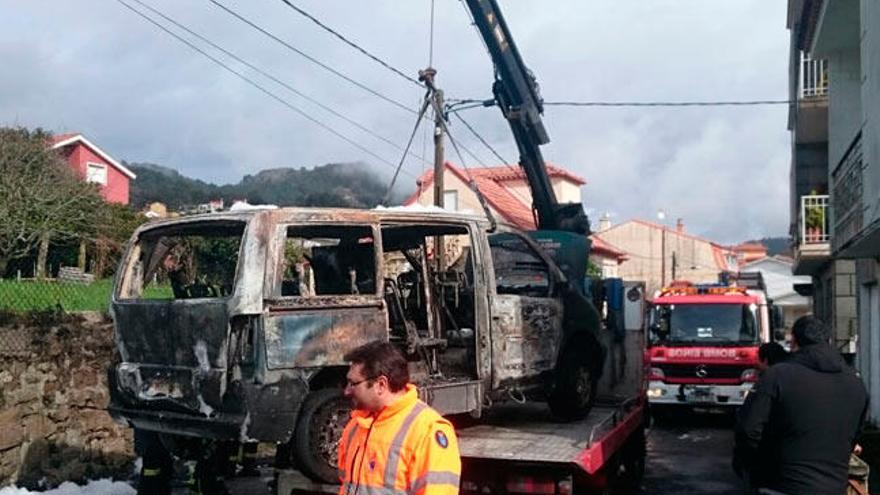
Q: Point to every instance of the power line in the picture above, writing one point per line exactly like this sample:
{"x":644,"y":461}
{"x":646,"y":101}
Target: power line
{"x":311,"y":58}
{"x":274,"y":79}
{"x":431,"y":38}
{"x":664,"y":103}
{"x":408,"y":144}
{"x":350,"y":43}
{"x":467,"y":104}
{"x":256,"y":85}
{"x":526,"y":201}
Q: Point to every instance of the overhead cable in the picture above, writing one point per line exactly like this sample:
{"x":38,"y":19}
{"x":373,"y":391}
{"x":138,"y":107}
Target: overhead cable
{"x":467,"y":104}
{"x":350,"y":43}
{"x":665,"y":103}
{"x":408,"y":144}
{"x":274,"y":79}
{"x":258,"y":86}
{"x":311,"y":58}
{"x":516,"y":172}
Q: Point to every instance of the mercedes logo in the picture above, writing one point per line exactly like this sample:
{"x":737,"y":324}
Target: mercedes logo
{"x":701,"y":371}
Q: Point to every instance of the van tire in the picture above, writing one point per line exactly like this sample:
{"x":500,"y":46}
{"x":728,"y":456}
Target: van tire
{"x":575,"y":386}
{"x":322,"y":418}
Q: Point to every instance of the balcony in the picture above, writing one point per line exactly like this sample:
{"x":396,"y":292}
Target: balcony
{"x":813,"y":82}
{"x":811,"y":121}
{"x":813,"y":241}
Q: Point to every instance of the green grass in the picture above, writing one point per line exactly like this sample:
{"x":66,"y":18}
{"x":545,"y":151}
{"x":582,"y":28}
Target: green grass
{"x":30,"y":295}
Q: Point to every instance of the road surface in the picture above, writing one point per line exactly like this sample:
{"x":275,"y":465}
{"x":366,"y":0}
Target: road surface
{"x":691,"y":454}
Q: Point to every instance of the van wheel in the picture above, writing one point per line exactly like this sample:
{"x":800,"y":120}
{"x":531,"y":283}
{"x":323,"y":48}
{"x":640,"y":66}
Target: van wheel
{"x":575,"y":387}
{"x":322,"y":418}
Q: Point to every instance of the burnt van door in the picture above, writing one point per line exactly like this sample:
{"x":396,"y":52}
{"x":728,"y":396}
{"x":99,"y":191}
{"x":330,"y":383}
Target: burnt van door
{"x":526,"y":317}
{"x":323,"y":297}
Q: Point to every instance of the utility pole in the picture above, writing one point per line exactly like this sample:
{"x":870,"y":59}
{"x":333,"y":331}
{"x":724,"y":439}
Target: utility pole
{"x":427,"y":76}
{"x":663,"y":257}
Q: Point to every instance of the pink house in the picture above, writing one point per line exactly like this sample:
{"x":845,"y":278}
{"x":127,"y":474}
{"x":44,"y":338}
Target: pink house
{"x":94,"y":165}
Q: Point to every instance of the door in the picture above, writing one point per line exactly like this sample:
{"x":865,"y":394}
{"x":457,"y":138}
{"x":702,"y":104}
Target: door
{"x":526,"y":317}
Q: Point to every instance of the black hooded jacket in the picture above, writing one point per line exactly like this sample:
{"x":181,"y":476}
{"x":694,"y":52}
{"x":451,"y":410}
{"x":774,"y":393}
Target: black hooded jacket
{"x":800,"y":425}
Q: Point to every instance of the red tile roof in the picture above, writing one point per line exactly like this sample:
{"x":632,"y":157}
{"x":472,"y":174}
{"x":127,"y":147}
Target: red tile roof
{"x":605,"y":248}
{"x":515,"y":172}
{"x":512,"y":209}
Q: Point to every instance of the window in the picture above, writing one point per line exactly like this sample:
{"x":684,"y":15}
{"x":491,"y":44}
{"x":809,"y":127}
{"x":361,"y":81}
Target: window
{"x":328,"y":260}
{"x":450,"y":200}
{"x":185,"y":262}
{"x":518,"y":269}
{"x":97,"y":173}
{"x":705,"y":323}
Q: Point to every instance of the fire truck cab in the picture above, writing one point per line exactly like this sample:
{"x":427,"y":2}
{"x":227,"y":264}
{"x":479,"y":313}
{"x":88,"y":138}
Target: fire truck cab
{"x":703,"y":342}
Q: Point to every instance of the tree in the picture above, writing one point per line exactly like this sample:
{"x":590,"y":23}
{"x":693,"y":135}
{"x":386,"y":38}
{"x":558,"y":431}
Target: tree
{"x":40,"y":197}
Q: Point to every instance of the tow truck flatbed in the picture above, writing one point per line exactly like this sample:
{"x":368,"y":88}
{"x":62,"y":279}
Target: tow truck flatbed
{"x":545,"y":452}
{"x":527,"y":433}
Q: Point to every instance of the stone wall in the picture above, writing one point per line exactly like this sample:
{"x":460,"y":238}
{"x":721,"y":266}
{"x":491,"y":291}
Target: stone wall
{"x":53,"y":398}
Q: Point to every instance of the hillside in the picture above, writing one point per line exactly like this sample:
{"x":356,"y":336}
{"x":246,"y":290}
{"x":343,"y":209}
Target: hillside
{"x":335,"y":184}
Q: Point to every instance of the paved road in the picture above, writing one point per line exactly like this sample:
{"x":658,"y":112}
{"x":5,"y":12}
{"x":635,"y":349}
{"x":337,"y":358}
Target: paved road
{"x":691,"y":455}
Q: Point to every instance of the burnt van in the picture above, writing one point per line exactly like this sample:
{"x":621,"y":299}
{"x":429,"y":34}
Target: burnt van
{"x":233,"y":326}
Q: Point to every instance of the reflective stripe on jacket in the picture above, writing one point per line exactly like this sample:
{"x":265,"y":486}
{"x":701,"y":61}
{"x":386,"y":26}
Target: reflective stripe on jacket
{"x":408,"y":449}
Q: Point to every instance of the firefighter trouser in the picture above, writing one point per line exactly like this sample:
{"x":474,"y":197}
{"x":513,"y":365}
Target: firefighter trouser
{"x":157,"y":465}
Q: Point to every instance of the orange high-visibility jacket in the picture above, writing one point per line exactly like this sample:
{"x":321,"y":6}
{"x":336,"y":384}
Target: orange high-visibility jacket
{"x":407,"y":449}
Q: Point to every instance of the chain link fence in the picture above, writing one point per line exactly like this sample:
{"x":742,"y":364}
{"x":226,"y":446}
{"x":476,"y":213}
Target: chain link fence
{"x":27,"y":295}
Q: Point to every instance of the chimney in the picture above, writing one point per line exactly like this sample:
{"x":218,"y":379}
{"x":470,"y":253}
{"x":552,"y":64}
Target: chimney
{"x":679,"y":226}
{"x":605,"y":222}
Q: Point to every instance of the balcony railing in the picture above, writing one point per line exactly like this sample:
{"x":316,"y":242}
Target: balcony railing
{"x":814,"y":77}
{"x":813,"y":222}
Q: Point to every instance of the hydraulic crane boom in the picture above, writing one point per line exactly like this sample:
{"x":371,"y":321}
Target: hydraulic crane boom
{"x":516,"y":93}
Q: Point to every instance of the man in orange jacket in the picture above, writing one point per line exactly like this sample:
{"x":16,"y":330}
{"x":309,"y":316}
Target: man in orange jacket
{"x":394,"y":443}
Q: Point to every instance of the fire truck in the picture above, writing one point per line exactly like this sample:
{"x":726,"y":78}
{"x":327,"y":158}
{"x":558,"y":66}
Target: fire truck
{"x":703,"y":341}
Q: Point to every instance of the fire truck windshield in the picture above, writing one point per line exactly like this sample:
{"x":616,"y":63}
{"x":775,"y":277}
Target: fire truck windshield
{"x":712,"y":324}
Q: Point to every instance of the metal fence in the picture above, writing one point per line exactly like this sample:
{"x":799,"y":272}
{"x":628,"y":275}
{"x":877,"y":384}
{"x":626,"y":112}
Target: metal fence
{"x":29,"y":295}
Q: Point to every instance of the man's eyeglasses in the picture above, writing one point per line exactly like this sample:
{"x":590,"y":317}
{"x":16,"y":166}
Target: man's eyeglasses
{"x":351,"y":384}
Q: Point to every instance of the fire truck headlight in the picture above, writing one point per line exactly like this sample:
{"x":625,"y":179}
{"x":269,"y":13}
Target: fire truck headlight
{"x":653,"y":393}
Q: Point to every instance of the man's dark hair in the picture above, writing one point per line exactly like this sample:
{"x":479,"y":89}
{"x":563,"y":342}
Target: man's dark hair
{"x":772,"y":352}
{"x":809,"y":330}
{"x":380,"y":358}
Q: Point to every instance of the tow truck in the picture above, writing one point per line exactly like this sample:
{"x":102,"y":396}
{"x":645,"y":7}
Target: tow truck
{"x":704,"y":339}
{"x":519,"y":447}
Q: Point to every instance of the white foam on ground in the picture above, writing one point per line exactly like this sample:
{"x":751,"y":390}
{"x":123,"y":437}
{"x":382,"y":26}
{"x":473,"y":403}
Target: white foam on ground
{"x":97,"y":487}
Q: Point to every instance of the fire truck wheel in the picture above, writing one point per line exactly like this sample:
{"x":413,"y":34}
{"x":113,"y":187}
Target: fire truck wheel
{"x":575,"y":387}
{"x":322,"y":418}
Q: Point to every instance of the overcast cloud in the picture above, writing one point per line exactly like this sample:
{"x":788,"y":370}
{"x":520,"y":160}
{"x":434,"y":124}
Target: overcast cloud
{"x":93,"y":66}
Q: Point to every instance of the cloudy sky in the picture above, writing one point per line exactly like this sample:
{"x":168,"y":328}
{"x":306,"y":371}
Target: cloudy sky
{"x":93,"y":66}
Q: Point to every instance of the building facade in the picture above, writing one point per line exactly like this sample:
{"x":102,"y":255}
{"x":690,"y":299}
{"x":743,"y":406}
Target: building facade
{"x":777,"y":274}
{"x":659,"y":254}
{"x":845,"y":36}
{"x":94,"y":165}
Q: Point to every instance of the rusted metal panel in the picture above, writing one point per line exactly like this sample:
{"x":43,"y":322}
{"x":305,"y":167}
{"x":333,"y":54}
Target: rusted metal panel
{"x":320,"y":338}
{"x":526,"y":335}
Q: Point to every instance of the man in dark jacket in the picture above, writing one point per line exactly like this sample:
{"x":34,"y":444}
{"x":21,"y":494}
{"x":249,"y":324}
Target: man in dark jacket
{"x":803,"y":419}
